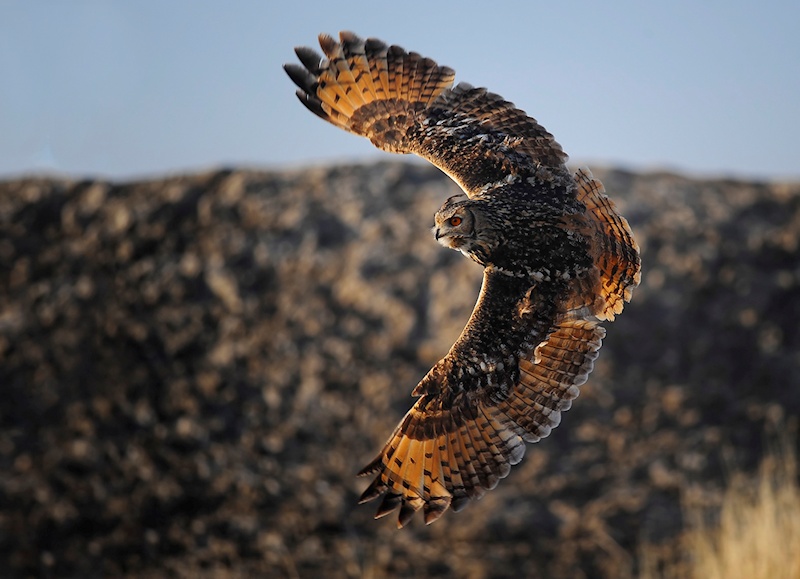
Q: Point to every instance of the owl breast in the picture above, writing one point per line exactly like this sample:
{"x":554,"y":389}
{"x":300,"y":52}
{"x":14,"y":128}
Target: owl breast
{"x":521,"y":231}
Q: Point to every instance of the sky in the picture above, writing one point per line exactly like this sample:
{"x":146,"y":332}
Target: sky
{"x":126,"y":90}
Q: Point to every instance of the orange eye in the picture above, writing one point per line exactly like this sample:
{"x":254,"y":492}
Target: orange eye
{"x":454,"y":221}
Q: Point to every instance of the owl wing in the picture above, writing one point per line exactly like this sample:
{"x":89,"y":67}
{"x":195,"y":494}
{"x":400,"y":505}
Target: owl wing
{"x":405,"y":103}
{"x":516,"y":366}
{"x":526,"y":349}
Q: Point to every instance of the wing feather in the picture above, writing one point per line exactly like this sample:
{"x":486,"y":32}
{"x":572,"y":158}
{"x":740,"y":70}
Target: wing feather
{"x":468,"y":459}
{"x":455,"y":461}
{"x":405,"y":103}
{"x":529,"y":344}
{"x":458,"y":441}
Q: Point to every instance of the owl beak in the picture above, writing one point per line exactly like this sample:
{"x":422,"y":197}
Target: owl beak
{"x":436,"y":234}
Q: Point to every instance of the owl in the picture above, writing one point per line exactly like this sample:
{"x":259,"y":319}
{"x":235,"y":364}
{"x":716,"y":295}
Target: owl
{"x":557,"y":258}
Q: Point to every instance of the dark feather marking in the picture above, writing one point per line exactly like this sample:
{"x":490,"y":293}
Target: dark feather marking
{"x":554,"y":248}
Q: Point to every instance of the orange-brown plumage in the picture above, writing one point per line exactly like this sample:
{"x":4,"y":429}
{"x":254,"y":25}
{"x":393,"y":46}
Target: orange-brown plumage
{"x":557,"y":259}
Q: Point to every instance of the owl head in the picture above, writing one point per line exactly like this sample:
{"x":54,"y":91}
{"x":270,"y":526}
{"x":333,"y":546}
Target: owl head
{"x":462,"y":224}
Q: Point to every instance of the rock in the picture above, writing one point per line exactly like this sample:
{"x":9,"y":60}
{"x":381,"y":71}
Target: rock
{"x":194,"y":368}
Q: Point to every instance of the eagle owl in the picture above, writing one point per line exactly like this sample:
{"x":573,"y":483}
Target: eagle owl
{"x":558,"y":259}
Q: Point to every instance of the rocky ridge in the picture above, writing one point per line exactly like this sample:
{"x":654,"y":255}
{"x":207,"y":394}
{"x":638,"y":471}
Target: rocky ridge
{"x":194,"y":368}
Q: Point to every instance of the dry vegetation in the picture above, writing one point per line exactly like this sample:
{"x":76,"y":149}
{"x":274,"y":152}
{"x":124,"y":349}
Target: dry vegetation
{"x":753,"y":534}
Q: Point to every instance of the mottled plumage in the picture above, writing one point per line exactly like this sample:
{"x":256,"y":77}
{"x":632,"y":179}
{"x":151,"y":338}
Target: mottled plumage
{"x":557,"y":258}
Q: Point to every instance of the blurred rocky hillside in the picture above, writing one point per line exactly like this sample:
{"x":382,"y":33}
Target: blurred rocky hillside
{"x":193,"y":369}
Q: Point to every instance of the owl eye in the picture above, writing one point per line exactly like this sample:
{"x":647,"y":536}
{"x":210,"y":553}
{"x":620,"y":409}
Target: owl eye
{"x":455,"y":221}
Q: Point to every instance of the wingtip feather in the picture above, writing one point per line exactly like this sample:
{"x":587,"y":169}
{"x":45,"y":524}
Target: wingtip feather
{"x":328,"y":44}
{"x":312,"y":104}
{"x":301,"y":77}
{"x":373,"y":491}
{"x":435,"y":508}
{"x":389,"y":503}
{"x":310,"y":58}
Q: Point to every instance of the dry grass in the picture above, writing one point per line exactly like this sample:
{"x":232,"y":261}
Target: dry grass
{"x":755,"y":535}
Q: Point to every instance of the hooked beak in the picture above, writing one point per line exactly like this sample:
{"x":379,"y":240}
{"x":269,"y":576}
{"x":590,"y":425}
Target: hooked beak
{"x":436,"y":234}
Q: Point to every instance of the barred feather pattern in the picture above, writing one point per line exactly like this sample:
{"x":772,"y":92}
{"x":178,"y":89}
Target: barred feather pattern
{"x":558,"y":258}
{"x":405,"y":103}
{"x":440,"y":456}
{"x":613,"y":248}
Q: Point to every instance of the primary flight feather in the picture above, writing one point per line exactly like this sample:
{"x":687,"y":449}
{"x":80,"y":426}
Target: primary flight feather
{"x":558,"y":259}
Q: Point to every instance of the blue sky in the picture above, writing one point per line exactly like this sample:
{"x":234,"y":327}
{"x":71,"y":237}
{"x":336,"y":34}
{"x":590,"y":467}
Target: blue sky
{"x":127,"y":89}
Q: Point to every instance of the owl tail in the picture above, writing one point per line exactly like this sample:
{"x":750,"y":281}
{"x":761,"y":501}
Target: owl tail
{"x":366,"y":87}
{"x":614,"y":250}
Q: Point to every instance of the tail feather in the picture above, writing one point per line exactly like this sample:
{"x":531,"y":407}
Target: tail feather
{"x":616,"y":252}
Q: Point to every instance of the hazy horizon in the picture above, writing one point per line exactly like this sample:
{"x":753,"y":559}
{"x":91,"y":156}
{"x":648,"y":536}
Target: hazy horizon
{"x":122,"y":91}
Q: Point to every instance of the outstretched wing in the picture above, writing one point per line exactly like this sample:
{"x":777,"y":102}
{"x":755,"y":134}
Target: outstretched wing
{"x":405,"y":103}
{"x":527,"y":348}
{"x":517,"y":366}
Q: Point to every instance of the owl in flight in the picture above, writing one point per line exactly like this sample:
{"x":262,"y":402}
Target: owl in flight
{"x":558,"y":259}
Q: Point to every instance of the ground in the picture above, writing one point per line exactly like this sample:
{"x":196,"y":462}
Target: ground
{"x":195,"y":368}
